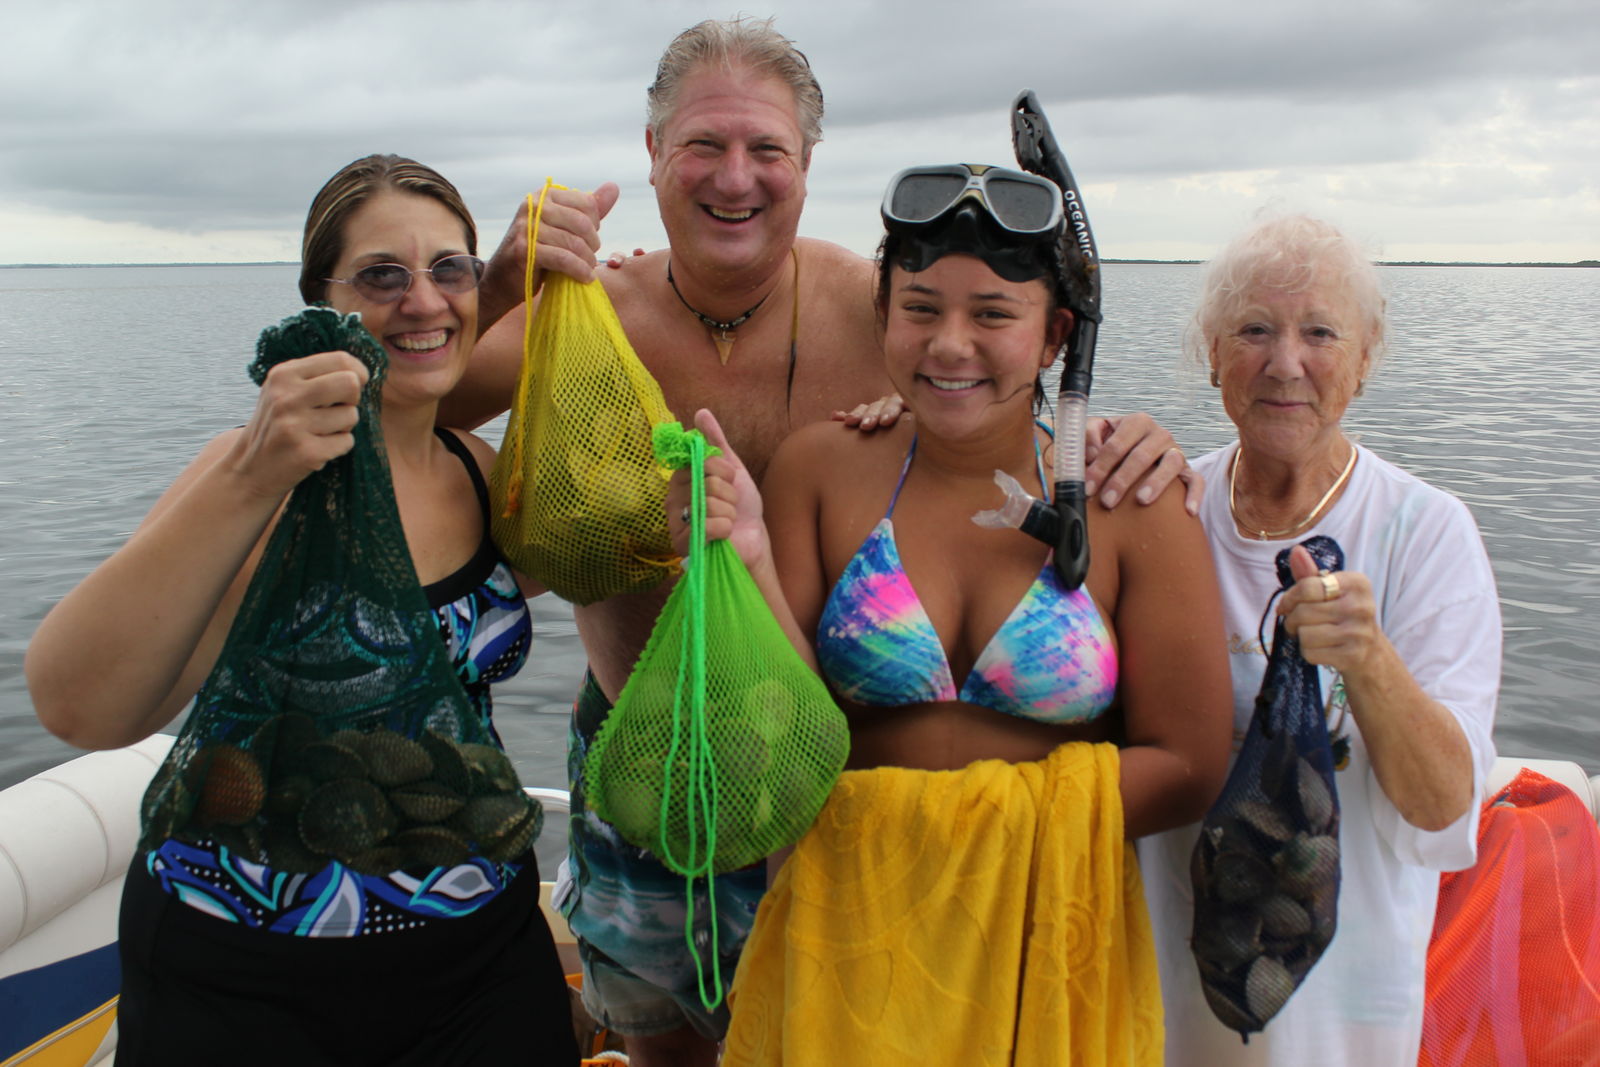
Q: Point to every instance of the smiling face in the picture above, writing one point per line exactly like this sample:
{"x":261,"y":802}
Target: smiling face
{"x":1290,"y":360}
{"x":729,"y":170}
{"x":427,"y":333}
{"x":962,"y":342}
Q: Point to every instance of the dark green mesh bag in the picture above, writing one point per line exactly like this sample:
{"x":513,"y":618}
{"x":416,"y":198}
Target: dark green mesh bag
{"x":333,"y":726}
{"x":723,"y":744}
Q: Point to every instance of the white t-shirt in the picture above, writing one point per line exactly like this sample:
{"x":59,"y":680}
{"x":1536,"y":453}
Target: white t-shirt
{"x":1362,"y":1002}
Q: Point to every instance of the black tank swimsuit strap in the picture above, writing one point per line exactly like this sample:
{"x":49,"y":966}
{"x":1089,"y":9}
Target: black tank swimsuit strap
{"x":476,"y":570}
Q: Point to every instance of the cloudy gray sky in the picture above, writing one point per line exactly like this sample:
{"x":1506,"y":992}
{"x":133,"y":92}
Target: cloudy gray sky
{"x":156,"y":131}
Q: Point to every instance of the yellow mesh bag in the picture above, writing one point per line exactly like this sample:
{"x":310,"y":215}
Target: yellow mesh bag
{"x":577,"y":495}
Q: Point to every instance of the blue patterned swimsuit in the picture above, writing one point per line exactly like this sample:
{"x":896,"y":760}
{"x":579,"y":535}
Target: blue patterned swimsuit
{"x":486,"y":626}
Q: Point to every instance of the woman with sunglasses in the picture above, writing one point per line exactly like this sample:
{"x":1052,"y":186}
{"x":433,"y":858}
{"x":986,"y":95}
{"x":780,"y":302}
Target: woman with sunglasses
{"x":230,"y":962}
{"x":968,"y":894}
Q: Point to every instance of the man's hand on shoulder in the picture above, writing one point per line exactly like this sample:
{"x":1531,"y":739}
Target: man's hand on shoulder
{"x":881,"y":414}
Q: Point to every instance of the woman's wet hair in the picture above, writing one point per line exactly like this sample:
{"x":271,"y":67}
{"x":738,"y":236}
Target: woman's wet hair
{"x":742,"y":42}
{"x":343,"y":195}
{"x":1295,"y":254}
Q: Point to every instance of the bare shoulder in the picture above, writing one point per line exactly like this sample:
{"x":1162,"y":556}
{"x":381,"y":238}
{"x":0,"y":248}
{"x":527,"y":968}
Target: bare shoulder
{"x":1158,"y":543}
{"x":1163,"y":517}
{"x":820,"y":450}
{"x":840,"y":264}
{"x":838,"y":331}
{"x":632,"y":282}
{"x":835,"y":274}
{"x":481,"y":450}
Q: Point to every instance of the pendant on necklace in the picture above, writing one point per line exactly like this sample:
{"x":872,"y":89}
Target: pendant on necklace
{"x":724,"y":342}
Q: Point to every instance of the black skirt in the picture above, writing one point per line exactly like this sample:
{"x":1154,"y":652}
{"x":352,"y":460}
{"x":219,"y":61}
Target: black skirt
{"x":483,"y":989}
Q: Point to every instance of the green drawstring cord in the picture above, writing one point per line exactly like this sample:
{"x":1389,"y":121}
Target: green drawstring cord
{"x":676,"y":448}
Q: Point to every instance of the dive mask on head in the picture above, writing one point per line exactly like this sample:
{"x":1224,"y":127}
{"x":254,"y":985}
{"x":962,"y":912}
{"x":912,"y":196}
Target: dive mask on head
{"x":1007,"y":218}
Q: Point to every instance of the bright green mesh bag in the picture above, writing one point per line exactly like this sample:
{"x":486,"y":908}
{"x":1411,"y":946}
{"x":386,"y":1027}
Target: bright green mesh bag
{"x":723,"y":744}
{"x":333,"y":726}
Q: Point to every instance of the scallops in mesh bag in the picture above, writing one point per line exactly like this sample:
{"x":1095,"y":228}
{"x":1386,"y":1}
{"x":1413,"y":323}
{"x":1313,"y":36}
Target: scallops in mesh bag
{"x":333,"y":727}
{"x":723,"y":745}
{"x":577,"y":496}
{"x":1266,"y":866}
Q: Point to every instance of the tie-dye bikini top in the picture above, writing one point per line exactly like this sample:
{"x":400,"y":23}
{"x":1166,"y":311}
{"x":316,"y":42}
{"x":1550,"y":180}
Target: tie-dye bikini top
{"x":1052,"y":660}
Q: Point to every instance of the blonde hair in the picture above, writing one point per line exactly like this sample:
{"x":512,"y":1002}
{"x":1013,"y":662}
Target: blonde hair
{"x":1293,"y":253}
{"x":738,"y":42}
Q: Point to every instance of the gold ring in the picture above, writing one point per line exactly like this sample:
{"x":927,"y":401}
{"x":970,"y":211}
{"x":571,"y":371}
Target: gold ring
{"x":1330,"y":585}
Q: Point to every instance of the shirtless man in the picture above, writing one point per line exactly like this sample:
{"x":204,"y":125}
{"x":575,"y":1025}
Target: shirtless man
{"x":770,"y":331}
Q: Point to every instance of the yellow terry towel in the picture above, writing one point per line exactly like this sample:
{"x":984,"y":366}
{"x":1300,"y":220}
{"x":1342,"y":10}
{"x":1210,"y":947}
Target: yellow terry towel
{"x":991,"y":915}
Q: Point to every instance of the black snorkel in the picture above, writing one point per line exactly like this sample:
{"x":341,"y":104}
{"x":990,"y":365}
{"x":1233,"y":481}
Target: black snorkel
{"x":1079,"y":270}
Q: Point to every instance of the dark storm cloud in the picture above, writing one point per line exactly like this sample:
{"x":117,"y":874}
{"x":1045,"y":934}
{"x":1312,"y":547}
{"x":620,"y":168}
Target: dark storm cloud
{"x":200,"y":117}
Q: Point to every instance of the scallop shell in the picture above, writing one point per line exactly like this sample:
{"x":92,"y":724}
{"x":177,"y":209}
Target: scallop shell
{"x":286,"y":853}
{"x":393,"y":759}
{"x":1227,"y":937}
{"x":345,"y":818}
{"x":233,"y":789}
{"x":287,"y":795}
{"x":634,"y":809}
{"x":771,"y":705}
{"x":1283,"y":918}
{"x":264,"y":739}
{"x":449,"y":766}
{"x":515,"y":841}
{"x":426,"y":802}
{"x":1238,"y":877}
{"x":381,"y":859}
{"x":432,"y":846}
{"x":1267,"y":988}
{"x":1229,"y":1008}
{"x":486,"y":820}
{"x":1324,"y":910}
{"x":329,"y":761}
{"x":741,"y":753}
{"x":1306,"y":863}
{"x":491,"y":769}
{"x":1265,"y":821}
{"x":1316,"y":801}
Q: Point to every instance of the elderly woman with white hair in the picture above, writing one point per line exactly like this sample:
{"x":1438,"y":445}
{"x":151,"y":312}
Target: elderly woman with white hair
{"x":1407,"y":639}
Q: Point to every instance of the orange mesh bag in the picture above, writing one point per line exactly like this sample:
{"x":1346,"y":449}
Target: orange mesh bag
{"x":1514,"y":964}
{"x":577,"y":495}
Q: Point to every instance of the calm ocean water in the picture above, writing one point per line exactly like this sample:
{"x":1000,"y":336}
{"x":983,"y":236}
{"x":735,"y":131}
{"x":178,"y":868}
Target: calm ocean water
{"x":111,"y":379}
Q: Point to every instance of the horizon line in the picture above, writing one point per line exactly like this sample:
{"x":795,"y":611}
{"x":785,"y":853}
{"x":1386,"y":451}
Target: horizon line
{"x":1108,"y":259}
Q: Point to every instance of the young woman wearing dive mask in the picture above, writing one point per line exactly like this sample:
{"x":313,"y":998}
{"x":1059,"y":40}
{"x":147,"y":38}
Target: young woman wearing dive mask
{"x":969,"y":885}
